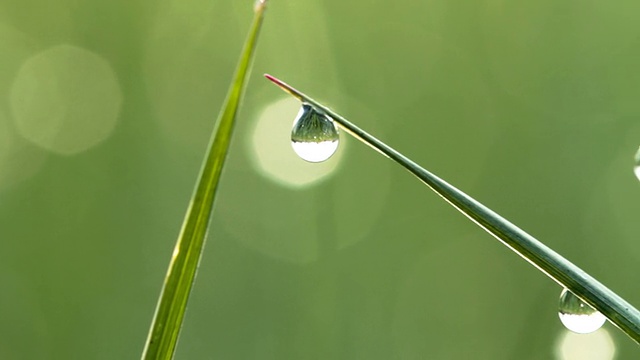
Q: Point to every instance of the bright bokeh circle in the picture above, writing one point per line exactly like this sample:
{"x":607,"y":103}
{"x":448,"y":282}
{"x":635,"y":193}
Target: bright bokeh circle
{"x":65,"y":99}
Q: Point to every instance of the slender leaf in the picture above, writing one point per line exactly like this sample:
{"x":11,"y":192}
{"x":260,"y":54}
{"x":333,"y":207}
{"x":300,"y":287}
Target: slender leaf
{"x":167,"y":321}
{"x":565,"y":273}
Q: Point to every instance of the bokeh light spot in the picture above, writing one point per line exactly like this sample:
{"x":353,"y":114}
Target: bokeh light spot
{"x":65,"y":99}
{"x":594,"y":346}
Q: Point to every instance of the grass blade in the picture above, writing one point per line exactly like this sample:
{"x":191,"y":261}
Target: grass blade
{"x":565,"y":273}
{"x":167,"y":321}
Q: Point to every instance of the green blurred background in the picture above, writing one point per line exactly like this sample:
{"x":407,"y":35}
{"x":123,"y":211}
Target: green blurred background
{"x":106,"y":108}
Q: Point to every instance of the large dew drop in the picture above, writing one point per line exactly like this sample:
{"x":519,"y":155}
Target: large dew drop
{"x":314,"y":136}
{"x":578,"y":316}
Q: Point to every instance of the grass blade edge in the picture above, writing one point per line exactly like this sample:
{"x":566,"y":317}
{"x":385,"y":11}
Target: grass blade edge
{"x":167,"y":320}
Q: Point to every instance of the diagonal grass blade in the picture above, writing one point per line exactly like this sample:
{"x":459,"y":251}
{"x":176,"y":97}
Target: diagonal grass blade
{"x":565,"y":273}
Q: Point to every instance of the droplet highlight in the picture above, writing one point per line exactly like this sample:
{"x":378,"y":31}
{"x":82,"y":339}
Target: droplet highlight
{"x":314,"y":136}
{"x":578,"y":316}
{"x":636,"y":164}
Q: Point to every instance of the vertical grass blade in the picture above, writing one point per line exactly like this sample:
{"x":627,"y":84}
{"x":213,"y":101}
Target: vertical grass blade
{"x":167,"y":321}
{"x":565,"y":273}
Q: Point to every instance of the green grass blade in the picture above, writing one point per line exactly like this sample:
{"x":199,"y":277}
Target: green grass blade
{"x":565,"y":273}
{"x":165,"y":328}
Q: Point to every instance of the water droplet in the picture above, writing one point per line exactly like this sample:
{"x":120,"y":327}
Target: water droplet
{"x":636,"y":166}
{"x":314,"y":136}
{"x":578,"y":316}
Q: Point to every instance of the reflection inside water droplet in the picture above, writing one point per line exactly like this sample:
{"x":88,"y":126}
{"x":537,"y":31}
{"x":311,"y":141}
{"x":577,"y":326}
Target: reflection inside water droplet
{"x":578,"y":316}
{"x":314,"y":136}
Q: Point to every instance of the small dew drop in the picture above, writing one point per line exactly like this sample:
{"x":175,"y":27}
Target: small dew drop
{"x":636,"y":164}
{"x":314,"y":136}
{"x":578,"y":316}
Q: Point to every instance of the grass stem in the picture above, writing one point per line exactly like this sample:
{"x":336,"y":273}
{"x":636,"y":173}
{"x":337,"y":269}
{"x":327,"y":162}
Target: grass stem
{"x":167,"y":321}
{"x":565,"y":273}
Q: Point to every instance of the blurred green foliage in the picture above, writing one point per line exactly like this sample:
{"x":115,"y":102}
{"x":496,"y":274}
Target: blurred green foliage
{"x":531,"y":107}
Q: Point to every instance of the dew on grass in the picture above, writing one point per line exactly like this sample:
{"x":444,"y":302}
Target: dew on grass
{"x":314,"y":136}
{"x":578,"y":316}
